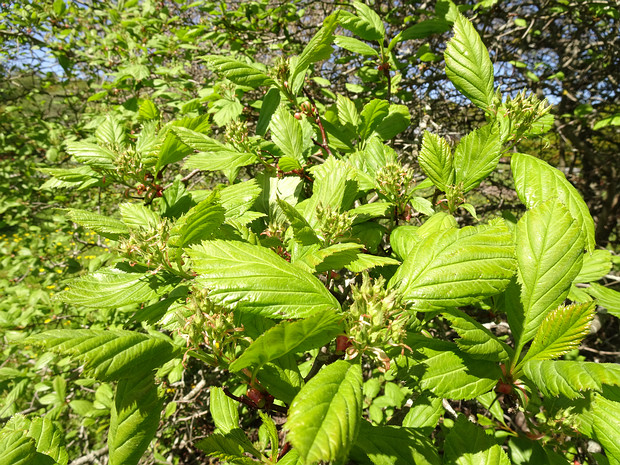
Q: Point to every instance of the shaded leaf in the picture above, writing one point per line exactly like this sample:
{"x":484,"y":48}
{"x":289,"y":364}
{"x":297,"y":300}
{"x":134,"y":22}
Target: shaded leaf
{"x":468,"y":444}
{"x":271,"y":101}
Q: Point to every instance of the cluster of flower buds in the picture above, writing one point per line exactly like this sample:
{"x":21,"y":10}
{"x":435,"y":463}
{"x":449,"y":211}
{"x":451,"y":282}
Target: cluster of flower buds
{"x":333,"y":226}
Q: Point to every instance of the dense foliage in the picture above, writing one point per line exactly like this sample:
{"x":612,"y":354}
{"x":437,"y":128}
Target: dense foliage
{"x":308,"y":232}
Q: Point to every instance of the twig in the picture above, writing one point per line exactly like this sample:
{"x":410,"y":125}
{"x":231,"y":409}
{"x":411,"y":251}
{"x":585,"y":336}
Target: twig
{"x":89,"y":458}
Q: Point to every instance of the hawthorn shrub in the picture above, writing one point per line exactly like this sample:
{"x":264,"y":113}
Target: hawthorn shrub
{"x":359,"y":311}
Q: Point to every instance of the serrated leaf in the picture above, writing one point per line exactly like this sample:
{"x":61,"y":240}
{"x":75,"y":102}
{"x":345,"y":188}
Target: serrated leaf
{"x":595,"y":266}
{"x":224,"y":410}
{"x":569,"y":378}
{"x":109,"y":354}
{"x":111,"y":133}
{"x":101,"y":224}
{"x":16,"y":448}
{"x":607,"y":425}
{"x":347,"y":112}
{"x":424,"y":413}
{"x":138,"y":216}
{"x":537,"y":181}
{"x":240,"y":73}
{"x":255,"y":279}
{"x":271,"y":101}
{"x":225,"y":447}
{"x":549,"y":253}
{"x":92,"y":155}
{"x":237,"y":199}
{"x":148,"y":111}
{"x":561,"y":331}
{"x":173,"y":149}
{"x":356,"y":46}
{"x":200,"y":222}
{"x":369,"y":211}
{"x":365,"y":261}
{"x":324,"y":417}
{"x":49,"y":440}
{"x":452,"y":374}
{"x":302,"y":231}
{"x":134,"y":419}
{"x":397,"y":120}
{"x":457,"y":267}
{"x":476,"y":156}
{"x":468,"y":444}
{"x":475,"y":339}
{"x":113,"y":288}
{"x":436,"y":160}
{"x":392,"y":445}
{"x":318,"y":48}
{"x":371,"y":19}
{"x":423,"y":29}
{"x":334,"y":257}
{"x":468,"y":65}
{"x":281,"y":378}
{"x":372,"y":114}
{"x":606,"y":297}
{"x":287,"y":134}
{"x":289,"y":337}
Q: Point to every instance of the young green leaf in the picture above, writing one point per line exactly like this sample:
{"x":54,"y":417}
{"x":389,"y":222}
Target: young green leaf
{"x":424,"y":413}
{"x":237,"y":199}
{"x":372,"y":114}
{"x":457,"y":267}
{"x":371,"y":19}
{"x":334,"y":257}
{"x":436,"y":160}
{"x":289,"y":337}
{"x":555,"y":377}
{"x":287,"y":134}
{"x":281,"y":378}
{"x":537,"y":181}
{"x":138,"y":216}
{"x":468,"y":444}
{"x":224,"y":410}
{"x":561,"y":331}
{"x":606,"y":297}
{"x":393,"y":445}
{"x":397,"y":120}
{"x":49,"y":440}
{"x":240,"y":73}
{"x":595,"y":266}
{"x":255,"y":279}
{"x":606,"y":414}
{"x":271,"y":101}
{"x":173,"y":149}
{"x":101,"y":224}
{"x":475,"y":339}
{"x":199,"y":223}
{"x":134,"y":419}
{"x":476,"y":156}
{"x":324,"y":418}
{"x":347,"y":112}
{"x":115,"y":288}
{"x":16,"y":448}
{"x":356,"y":46}
{"x":92,"y":155}
{"x":423,"y":29}
{"x":110,"y":354}
{"x":468,"y":65}
{"x":549,"y":253}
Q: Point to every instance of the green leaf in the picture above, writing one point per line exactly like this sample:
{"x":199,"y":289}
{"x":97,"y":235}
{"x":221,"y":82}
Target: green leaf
{"x":111,"y":133}
{"x":606,"y":297}
{"x":271,"y":101}
{"x":49,"y":440}
{"x":369,"y":211}
{"x":16,"y":448}
{"x":607,"y":426}
{"x":213,"y":156}
{"x":613,"y":120}
{"x":92,"y":155}
{"x":569,"y":378}
{"x":224,"y":410}
{"x":226,"y":447}
{"x":371,"y":20}
{"x":365,"y":261}
{"x":302,"y":231}
{"x":476,"y":156}
{"x":287,"y":134}
{"x":595,"y":266}
{"x":109,"y":354}
{"x":200,"y":222}
{"x":537,"y":181}
{"x":475,"y":339}
{"x":319,"y":48}
{"x":238,"y":72}
{"x":134,"y":419}
{"x":423,"y":29}
{"x":372,"y":114}
{"x":324,"y":417}
{"x":393,"y":445}
{"x":449,"y":373}
{"x":468,"y":444}
{"x":468,"y":65}
{"x":173,"y":149}
{"x":138,"y":216}
{"x":101,"y":224}
{"x":113,"y":288}
{"x":270,"y":426}
{"x":397,"y":120}
{"x":148,"y":111}
{"x":334,"y":257}
{"x":356,"y":46}
{"x":549,"y":253}
{"x":347,"y":112}
{"x":457,"y":267}
{"x":289,"y":337}
{"x":281,"y":378}
{"x":255,"y":279}
{"x":424,"y":413}
{"x":561,"y":331}
{"x":436,"y":160}
{"x":239,"y":198}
